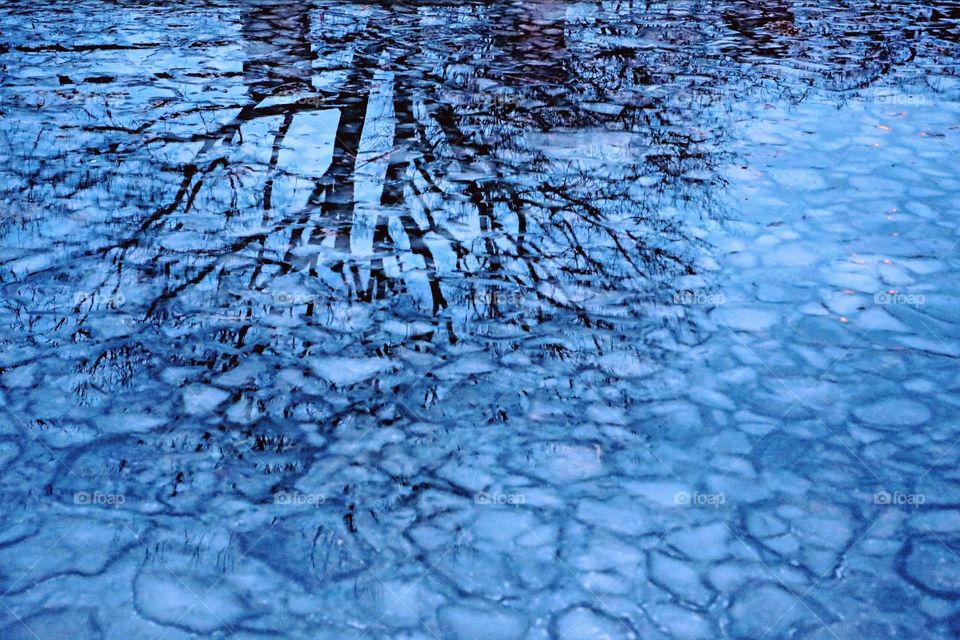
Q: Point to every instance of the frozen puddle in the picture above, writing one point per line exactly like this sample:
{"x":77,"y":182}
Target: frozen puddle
{"x":509,"y":321}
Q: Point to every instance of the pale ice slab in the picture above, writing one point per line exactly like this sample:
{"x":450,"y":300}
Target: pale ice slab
{"x":894,"y":412}
{"x":746,"y":319}
{"x":346,"y":371}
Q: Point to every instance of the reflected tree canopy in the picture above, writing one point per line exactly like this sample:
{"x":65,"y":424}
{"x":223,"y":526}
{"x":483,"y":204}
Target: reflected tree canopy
{"x":247,"y":248}
{"x":540,"y":163}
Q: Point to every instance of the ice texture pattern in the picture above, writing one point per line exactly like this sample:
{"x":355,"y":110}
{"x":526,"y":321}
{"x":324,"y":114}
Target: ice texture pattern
{"x":473,"y":320}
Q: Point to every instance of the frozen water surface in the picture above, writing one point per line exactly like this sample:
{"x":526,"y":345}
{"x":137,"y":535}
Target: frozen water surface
{"x":514,"y":320}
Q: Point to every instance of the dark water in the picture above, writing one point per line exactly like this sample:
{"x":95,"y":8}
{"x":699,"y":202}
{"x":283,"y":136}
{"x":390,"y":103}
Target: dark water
{"x":479,"y":320}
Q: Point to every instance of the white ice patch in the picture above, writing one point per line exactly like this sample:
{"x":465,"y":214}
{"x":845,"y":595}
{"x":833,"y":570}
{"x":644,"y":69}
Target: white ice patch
{"x":184,"y":601}
{"x":896,"y":412}
{"x":200,"y":398}
{"x":475,"y":623}
{"x":581,"y":623}
{"x":308,"y":146}
{"x":346,"y":371}
{"x":746,"y":319}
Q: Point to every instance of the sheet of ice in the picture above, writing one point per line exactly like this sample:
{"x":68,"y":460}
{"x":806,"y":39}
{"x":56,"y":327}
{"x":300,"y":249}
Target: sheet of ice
{"x":482,"y":320}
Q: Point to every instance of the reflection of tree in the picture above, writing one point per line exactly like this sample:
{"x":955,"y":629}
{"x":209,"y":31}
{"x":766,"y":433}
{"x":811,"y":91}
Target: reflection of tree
{"x":843,"y":50}
{"x":519,"y":178}
{"x":530,"y":163}
{"x":543,"y":223}
{"x":768,"y":27}
{"x":943,"y":21}
{"x":532,"y":41}
{"x":277,"y":52}
{"x":472,"y":172}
